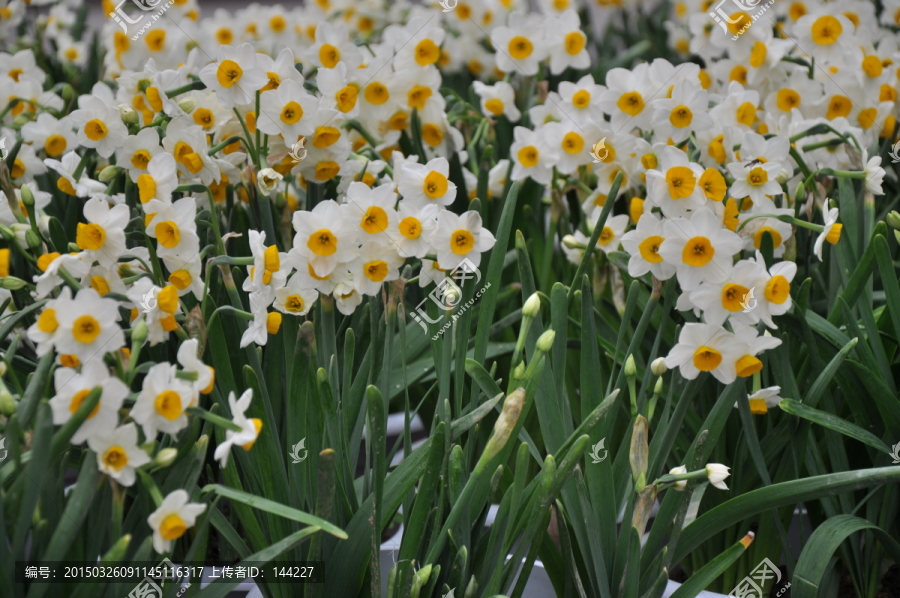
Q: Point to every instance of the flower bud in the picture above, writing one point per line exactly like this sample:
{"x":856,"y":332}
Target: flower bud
{"x":27,"y":197}
{"x":165,"y":457}
{"x":532,"y":306}
{"x":630,"y":367}
{"x":658,"y":367}
{"x":639,"y":453}
{"x":20,"y":120}
{"x":893,"y":220}
{"x":504,"y":426}
{"x":11,"y":283}
{"x":642,"y":508}
{"x":571,"y":242}
{"x":659,"y":386}
{"x":717,"y":474}
{"x":32,"y":239}
{"x":7,"y":402}
{"x":187,"y":104}
{"x":680,"y":485}
{"x":68,"y":92}
{"x":545,"y":341}
{"x":139,"y":333}
{"x":128,"y":114}
{"x":109,"y":173}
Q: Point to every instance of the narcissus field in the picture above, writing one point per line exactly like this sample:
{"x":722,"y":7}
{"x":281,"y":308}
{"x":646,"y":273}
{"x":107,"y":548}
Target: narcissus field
{"x":584,"y":298}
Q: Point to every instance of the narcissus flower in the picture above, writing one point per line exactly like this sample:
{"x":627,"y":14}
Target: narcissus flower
{"x":88,"y":327}
{"x":161,"y":403}
{"x":763,"y":399}
{"x":99,"y":125}
{"x":424,"y":184}
{"x":643,"y":245}
{"x":73,"y":387}
{"x":705,"y":348}
{"x":520,"y":45}
{"x":831,"y":232}
{"x":250,"y":427}
{"x":102,"y":238}
{"x":118,"y":454}
{"x":717,"y":474}
{"x":324,"y":237}
{"x":699,"y":247}
{"x":234,"y":75}
{"x":172,"y":519}
{"x":460,"y":237}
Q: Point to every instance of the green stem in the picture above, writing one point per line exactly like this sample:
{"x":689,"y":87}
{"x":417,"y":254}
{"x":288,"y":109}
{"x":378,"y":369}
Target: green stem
{"x":217,"y":420}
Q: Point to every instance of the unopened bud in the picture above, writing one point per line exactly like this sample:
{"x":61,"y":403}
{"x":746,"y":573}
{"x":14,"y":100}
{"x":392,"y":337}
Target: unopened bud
{"x":109,"y":173}
{"x":68,"y":92}
{"x":7,"y":402}
{"x":139,"y":333}
{"x":630,"y":368}
{"x":571,"y":242}
{"x":639,"y":453}
{"x":27,"y":197}
{"x":545,"y":341}
{"x":187,"y":104}
{"x":504,"y":426}
{"x":642,"y":509}
{"x":7,"y":233}
{"x":32,"y":240}
{"x":143,"y":84}
{"x":532,"y":306}
{"x":658,"y":366}
{"x":73,"y":248}
{"x":11,"y":283}
{"x":20,"y":120}
{"x":680,"y":485}
{"x":657,"y":389}
{"x":128,"y":114}
{"x":165,"y":457}
{"x":893,"y":220}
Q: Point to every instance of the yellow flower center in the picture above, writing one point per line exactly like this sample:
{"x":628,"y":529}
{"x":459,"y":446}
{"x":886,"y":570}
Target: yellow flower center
{"x":294,"y":304}
{"x":758,"y":406}
{"x":427,"y":52}
{"x":462,"y":242}
{"x":172,"y":527}
{"x":99,"y":284}
{"x":329,"y":56}
{"x":758,"y":177}
{"x":733,"y":297}
{"x":146,"y":187}
{"x":432,"y":134}
{"x":115,"y":457}
{"x":180,"y":279}
{"x":326,"y":137}
{"x":528,"y":156}
{"x":229,"y":73}
{"x":322,"y":242}
{"x":376,"y":93}
{"x":787,"y":99}
{"x":748,"y":365}
{"x":47,"y":321}
{"x":839,"y":106}
{"x":78,"y":398}
{"x":291,"y":113}
{"x":140,"y":159}
{"x":681,"y":117}
{"x":631,"y":103}
{"x":581,"y":98}
{"x":746,"y":114}
{"x":95,"y":130}
{"x":758,"y":54}
{"x":257,"y":423}
{"x":410,"y":227}
{"x":375,"y":220}
{"x":346,"y":98}
{"x":706,"y":359}
{"x":681,"y":182}
{"x":572,"y":143}
{"x":778,"y":289}
{"x":168,"y":405}
{"x":90,"y":236}
{"x":55,"y":145}
{"x":167,"y":234}
{"x":697,"y":252}
{"x":494,"y":106}
{"x":574,"y":42}
{"x":713,"y":184}
{"x":327,"y":170}
{"x":273,"y":325}
{"x":649,"y":249}
{"x":826,"y":30}
{"x":776,"y":237}
{"x":520,"y":47}
{"x":156,"y":40}
{"x":376,"y":271}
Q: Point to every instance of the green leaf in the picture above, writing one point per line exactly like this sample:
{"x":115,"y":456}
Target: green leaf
{"x":712,"y":570}
{"x":824,"y":379}
{"x":821,"y":546}
{"x":778,"y":495}
{"x":275,"y":508}
{"x":833,"y":422}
